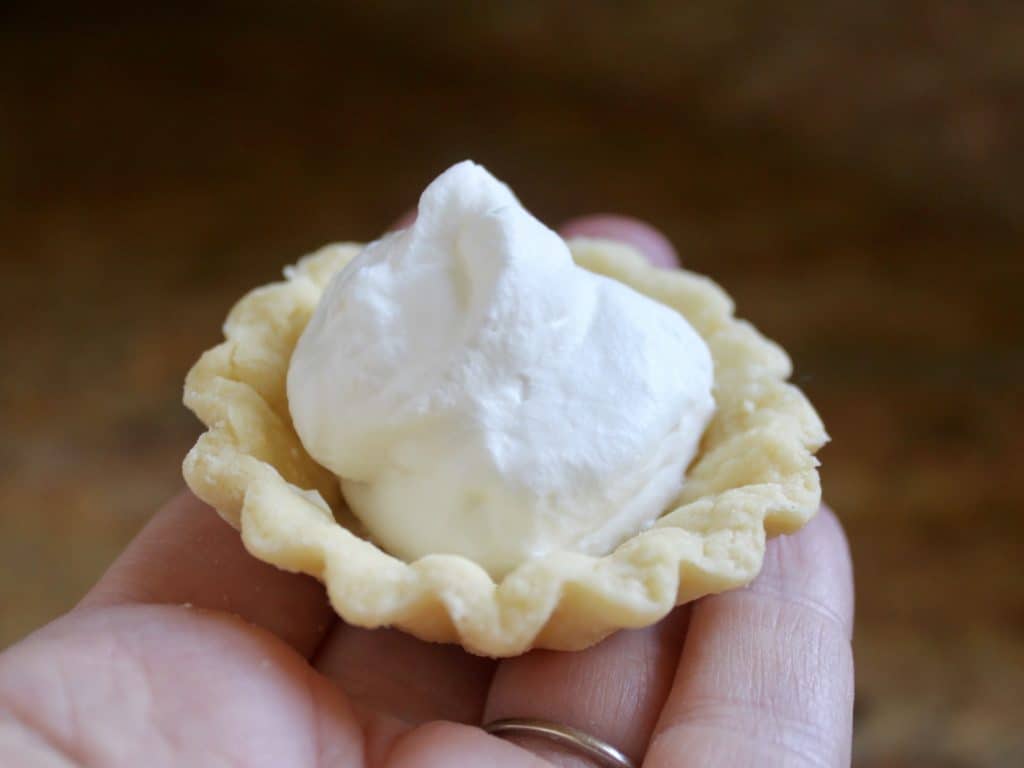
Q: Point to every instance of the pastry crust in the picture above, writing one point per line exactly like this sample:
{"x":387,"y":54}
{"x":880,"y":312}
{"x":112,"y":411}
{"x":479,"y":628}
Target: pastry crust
{"x":755,"y":476}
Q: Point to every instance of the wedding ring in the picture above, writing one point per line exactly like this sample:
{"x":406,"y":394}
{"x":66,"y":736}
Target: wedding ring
{"x":604,"y":754}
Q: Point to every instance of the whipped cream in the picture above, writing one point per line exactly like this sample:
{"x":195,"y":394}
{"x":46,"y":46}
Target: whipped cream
{"x":479,"y":394}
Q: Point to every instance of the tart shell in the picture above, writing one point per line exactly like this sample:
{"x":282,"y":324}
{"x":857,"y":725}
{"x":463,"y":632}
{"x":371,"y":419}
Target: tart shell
{"x":754,"y":477}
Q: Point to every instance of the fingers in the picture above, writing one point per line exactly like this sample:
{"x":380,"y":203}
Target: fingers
{"x":613,"y":691}
{"x":187,"y":555}
{"x":642,"y":236}
{"x":766,"y":676}
{"x":389,"y":671}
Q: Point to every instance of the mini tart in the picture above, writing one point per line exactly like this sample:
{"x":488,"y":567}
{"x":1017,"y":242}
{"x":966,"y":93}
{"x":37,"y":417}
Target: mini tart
{"x":755,"y":477}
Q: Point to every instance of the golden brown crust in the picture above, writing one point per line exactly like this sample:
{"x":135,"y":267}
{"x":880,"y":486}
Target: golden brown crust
{"x":756,"y":475}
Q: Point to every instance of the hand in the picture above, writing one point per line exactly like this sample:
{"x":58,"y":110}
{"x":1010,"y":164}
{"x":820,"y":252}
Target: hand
{"x":190,"y":652}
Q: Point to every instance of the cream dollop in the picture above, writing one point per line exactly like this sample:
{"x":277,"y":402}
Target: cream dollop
{"x":477,"y":393}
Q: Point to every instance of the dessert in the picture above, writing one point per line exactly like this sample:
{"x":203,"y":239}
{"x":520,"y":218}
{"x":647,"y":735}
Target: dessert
{"x":476,"y":432}
{"x":477,"y":393}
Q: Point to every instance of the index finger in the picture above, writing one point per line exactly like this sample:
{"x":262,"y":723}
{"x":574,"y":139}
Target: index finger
{"x":187,"y":555}
{"x":766,"y":675}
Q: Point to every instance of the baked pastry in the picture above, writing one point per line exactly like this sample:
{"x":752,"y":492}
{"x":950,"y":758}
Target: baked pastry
{"x":523,"y":577}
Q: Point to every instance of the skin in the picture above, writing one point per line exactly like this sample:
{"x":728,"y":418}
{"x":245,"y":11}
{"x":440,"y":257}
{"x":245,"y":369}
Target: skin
{"x":190,"y":652}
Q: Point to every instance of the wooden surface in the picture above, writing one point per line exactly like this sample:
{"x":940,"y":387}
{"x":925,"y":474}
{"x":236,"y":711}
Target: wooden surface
{"x":849,"y":173}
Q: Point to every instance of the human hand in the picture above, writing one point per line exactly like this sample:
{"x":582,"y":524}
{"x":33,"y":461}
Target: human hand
{"x":191,"y":652}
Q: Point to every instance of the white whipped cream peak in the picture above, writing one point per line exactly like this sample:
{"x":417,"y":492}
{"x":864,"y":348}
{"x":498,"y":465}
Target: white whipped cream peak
{"x":477,"y":393}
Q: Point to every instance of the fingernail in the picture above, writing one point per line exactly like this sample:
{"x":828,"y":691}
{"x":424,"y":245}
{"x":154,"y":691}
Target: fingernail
{"x":403,"y":221}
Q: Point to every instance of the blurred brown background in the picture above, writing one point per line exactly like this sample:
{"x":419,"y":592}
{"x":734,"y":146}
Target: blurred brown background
{"x":849,"y":170}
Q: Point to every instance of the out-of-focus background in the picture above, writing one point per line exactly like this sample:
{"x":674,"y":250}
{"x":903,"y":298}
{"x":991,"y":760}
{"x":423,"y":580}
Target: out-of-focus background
{"x":849,"y":170}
